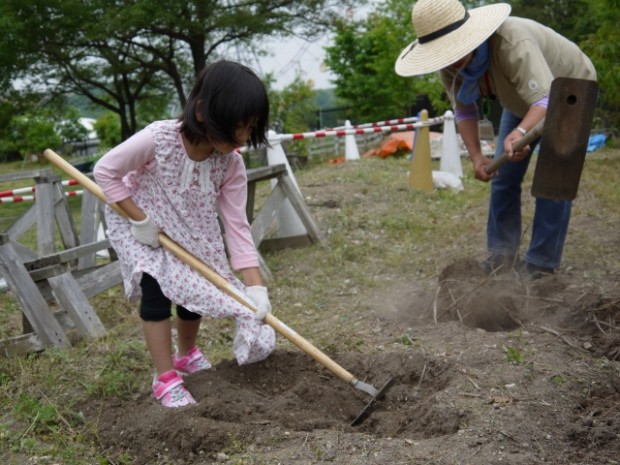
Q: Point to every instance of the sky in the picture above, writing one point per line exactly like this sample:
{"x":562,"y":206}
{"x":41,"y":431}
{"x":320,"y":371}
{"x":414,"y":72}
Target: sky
{"x":291,"y":55}
{"x":297,"y":56}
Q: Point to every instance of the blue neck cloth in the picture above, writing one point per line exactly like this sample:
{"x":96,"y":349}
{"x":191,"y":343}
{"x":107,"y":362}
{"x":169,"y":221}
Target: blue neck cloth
{"x":470,"y":90}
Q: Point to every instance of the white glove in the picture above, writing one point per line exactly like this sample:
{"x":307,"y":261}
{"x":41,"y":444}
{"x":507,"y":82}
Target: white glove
{"x":258,"y":295}
{"x":145,"y":232}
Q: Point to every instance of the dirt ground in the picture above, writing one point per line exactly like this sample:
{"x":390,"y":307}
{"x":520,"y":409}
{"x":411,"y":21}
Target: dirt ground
{"x":488,"y":370}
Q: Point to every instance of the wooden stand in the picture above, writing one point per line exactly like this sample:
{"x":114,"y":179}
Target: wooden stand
{"x":283,"y":189}
{"x":71,"y":276}
{"x":67,"y":278}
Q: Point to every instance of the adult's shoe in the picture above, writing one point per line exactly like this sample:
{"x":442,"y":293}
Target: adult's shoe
{"x":497,"y":264}
{"x":531,"y":271}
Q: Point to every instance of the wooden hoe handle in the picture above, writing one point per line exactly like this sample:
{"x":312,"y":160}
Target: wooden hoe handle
{"x":527,"y":139}
{"x":212,"y":276}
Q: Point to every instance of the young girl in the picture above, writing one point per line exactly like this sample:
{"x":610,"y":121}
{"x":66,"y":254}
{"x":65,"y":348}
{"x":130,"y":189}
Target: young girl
{"x":172,"y":177}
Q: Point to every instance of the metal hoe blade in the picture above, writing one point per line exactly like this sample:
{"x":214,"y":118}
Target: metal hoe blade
{"x":377,"y":395}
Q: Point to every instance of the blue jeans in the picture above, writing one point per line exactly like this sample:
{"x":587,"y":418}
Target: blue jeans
{"x":551,"y":217}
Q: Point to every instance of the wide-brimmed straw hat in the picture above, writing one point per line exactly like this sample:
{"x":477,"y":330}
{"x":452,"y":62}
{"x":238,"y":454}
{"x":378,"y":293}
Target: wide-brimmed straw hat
{"x":447,"y":32}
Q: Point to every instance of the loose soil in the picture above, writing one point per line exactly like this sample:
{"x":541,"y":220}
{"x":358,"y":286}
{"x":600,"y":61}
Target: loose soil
{"x":488,"y":370}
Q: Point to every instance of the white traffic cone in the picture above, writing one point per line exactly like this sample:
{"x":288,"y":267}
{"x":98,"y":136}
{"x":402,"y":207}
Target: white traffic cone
{"x":286,"y":217}
{"x":350,"y":145}
{"x":450,"y":154}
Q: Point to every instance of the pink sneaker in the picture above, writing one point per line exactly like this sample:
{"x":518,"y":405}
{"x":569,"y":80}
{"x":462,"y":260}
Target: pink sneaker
{"x":192,"y":362}
{"x":170,"y":390}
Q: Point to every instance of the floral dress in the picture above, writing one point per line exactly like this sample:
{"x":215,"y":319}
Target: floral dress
{"x":181,"y":196}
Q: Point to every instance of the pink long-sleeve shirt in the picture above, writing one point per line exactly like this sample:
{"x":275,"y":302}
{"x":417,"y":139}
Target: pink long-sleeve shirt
{"x":139,"y":153}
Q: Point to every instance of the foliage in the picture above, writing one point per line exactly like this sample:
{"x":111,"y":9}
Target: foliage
{"x":30,"y":134}
{"x":38,"y":126}
{"x":603,"y":47}
{"x":362,"y":58}
{"x":592,"y":25}
{"x":122,"y":55}
{"x":69,"y":127}
{"x":108,"y":130}
{"x":564,"y":16}
{"x":293,"y":109}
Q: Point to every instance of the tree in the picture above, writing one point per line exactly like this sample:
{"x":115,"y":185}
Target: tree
{"x":123,"y":53}
{"x":603,"y":47}
{"x":563,"y":16}
{"x":30,"y":134}
{"x":293,"y":109}
{"x":108,"y":130}
{"x":594,"y":26}
{"x":363,"y":57}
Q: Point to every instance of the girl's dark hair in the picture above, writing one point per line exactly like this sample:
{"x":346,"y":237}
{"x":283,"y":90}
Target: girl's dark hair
{"x":227,"y":95}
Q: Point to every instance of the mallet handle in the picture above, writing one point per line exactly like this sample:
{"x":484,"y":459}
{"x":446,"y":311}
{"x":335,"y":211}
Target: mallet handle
{"x":527,"y":139}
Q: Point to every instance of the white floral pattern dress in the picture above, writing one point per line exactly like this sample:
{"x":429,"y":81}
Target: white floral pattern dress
{"x":181,"y":196}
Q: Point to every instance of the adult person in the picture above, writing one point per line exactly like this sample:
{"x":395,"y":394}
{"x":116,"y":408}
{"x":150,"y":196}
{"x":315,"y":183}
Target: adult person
{"x":485,"y":53}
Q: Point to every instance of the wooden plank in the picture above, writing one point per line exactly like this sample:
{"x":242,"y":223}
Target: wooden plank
{"x":29,"y":341}
{"x":45,"y":219}
{"x":101,"y":216}
{"x":297,"y":201}
{"x":23,"y":223}
{"x":25,"y":175}
{"x":66,"y":256}
{"x":71,"y":298}
{"x":30,"y":299}
{"x":48,"y":272}
{"x":265,"y":172}
{"x":64,"y":218}
{"x":92,"y":281}
{"x":274,"y":244}
{"x":249,"y":206}
{"x":21,"y":345}
{"x":265,"y":272}
{"x":255,"y":175}
{"x":24,"y":252}
{"x":265,"y":217}
{"x":88,"y":233}
{"x":99,"y":279}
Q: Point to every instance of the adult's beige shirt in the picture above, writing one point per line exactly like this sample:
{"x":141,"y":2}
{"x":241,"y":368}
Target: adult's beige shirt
{"x":524,"y":58}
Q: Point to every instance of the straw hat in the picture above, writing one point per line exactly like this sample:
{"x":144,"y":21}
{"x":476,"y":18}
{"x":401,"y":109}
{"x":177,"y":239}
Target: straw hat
{"x":446,"y":33}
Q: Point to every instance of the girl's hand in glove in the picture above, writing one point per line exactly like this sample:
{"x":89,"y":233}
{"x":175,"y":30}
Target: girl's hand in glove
{"x":258,"y":295}
{"x":145,"y":232}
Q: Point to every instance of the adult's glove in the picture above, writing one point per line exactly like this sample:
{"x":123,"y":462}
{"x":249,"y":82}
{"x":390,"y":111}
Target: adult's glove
{"x":145,"y":231}
{"x":258,"y":295}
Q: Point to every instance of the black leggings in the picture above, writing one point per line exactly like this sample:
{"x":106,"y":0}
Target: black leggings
{"x":155,"y":306}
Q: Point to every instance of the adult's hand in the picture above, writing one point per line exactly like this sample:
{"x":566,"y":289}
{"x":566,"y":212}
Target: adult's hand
{"x":509,"y":142}
{"x":479,"y":172}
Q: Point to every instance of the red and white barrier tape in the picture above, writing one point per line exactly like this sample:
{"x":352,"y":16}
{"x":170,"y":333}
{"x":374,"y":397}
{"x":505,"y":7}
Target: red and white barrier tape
{"x":346,"y":132}
{"x":390,"y":122}
{"x":32,"y":198}
{"x":24,"y":190}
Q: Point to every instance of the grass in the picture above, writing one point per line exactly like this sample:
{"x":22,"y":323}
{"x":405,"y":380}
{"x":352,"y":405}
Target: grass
{"x":379,"y":231}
